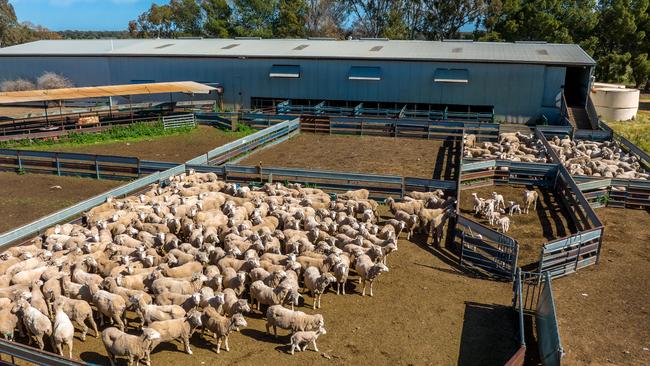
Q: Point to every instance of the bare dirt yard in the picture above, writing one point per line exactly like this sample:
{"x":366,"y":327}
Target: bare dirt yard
{"x":362,"y":154}
{"x":176,"y":148}
{"x":27,"y":197}
{"x":604,"y":310}
{"x":550,"y":221}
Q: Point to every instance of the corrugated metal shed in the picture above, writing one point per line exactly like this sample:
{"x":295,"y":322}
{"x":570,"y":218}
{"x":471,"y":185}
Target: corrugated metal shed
{"x":490,"y":52}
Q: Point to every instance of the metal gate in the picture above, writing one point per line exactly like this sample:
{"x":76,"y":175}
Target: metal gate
{"x":178,"y":121}
{"x":490,"y":252}
{"x":315,"y":124}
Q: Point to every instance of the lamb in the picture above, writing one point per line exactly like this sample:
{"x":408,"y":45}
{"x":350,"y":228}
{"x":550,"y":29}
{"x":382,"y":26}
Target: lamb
{"x":504,"y":223}
{"x":152,"y":313}
{"x":317,"y":283}
{"x":530,"y":199}
{"x":134,"y":348}
{"x":221,"y":326}
{"x":37,"y":324}
{"x":267,"y":295}
{"x":513,"y":207}
{"x":78,"y":311}
{"x":498,"y":200}
{"x":278,"y":316}
{"x":493,"y":217}
{"x":478,"y":203}
{"x":181,"y":328}
{"x":63,"y":330}
{"x":304,"y":338}
{"x":368,"y":271}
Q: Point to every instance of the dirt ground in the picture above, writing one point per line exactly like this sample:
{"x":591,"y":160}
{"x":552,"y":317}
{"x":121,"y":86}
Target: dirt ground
{"x":425,"y":312}
{"x":30,"y":196}
{"x":550,"y":220}
{"x":604,"y":310}
{"x":177,"y":148}
{"x":361,"y":154}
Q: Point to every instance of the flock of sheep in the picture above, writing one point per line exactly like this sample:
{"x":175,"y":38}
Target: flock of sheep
{"x":581,"y":157}
{"x":190,"y":254}
{"x":493,"y":208}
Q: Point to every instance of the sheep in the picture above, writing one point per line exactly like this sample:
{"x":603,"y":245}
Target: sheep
{"x":513,"y":208}
{"x":181,"y":328}
{"x":493,"y":217}
{"x":358,"y":194}
{"x":410,"y":207}
{"x":179,"y":286}
{"x":78,"y":311}
{"x":182,"y":271}
{"x":187,"y":302}
{"x":278,"y":316}
{"x":504,"y":224}
{"x":134,"y":348}
{"x":233,"y":305}
{"x":36,"y":323}
{"x":317,"y":283}
{"x":478,"y":203}
{"x":221,"y":326}
{"x":410,"y":220}
{"x":498,"y":200}
{"x":264,"y":294}
{"x":8,"y":321}
{"x":341,"y":271}
{"x":109,"y":305}
{"x":304,"y":338}
{"x":368,"y":271}
{"x":151,"y":313}
{"x":530,"y":199}
{"x":63,"y":330}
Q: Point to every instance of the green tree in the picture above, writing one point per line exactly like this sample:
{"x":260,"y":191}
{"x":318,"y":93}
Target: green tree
{"x":217,"y":15}
{"x":443,"y":19}
{"x":291,"y":19}
{"x":641,"y":70}
{"x":326,"y":18}
{"x":254,"y":18}
{"x":186,"y":17}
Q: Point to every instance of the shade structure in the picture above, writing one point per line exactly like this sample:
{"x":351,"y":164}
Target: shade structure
{"x":451,"y":76}
{"x":189,"y":87}
{"x":371,"y":73}
{"x":285,"y":71}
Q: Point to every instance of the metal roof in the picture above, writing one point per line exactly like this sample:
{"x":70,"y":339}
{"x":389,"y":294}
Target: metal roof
{"x":104,"y":91}
{"x":453,"y":51}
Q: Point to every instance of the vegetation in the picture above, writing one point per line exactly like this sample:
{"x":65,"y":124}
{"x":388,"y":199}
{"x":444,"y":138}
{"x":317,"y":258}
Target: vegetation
{"x":637,"y":131}
{"x":134,"y":132}
{"x":614,"y":32}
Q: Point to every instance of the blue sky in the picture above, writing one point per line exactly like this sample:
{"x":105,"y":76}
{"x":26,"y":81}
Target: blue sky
{"x":81,"y":14}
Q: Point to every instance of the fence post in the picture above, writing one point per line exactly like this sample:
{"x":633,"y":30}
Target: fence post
{"x":20,"y":162}
{"x":96,"y":167}
{"x":462,"y":246}
{"x":58,"y":164}
{"x":403,"y":188}
{"x":139,"y":168}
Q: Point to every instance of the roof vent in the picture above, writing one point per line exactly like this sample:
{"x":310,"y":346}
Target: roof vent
{"x":530,"y":42}
{"x":322,"y":39}
{"x":249,"y":38}
{"x":301,"y":47}
{"x":458,"y":40}
{"x":190,"y":37}
{"x":165,"y":45}
{"x":376,"y":48}
{"x":457,"y":50}
{"x":232,"y":45}
{"x":542,"y":52}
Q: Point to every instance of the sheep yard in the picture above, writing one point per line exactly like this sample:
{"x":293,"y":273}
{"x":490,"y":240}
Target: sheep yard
{"x":548,"y":222}
{"x":30,"y":196}
{"x":430,"y":159}
{"x":174,"y":148}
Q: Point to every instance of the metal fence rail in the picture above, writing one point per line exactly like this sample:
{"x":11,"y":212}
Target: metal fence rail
{"x":34,"y":356}
{"x":89,"y":165}
{"x":548,"y":330}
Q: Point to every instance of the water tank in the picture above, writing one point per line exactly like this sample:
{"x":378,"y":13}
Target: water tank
{"x":615,"y":102}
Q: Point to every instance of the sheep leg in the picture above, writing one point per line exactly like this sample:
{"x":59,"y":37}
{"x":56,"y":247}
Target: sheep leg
{"x":314,"y":343}
{"x":293,"y":347}
{"x":118,"y":320}
{"x":338,"y":287}
{"x":343,"y":286}
{"x":93,"y":325}
{"x":363,"y":293}
{"x":371,"y":288}
{"x":227,"y":346}
{"x":186,"y":341}
{"x":41,"y":344}
{"x":69,"y":344}
{"x":219,"y":345}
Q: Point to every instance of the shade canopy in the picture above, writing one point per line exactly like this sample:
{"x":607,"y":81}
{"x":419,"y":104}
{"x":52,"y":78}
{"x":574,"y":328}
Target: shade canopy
{"x":189,"y":87}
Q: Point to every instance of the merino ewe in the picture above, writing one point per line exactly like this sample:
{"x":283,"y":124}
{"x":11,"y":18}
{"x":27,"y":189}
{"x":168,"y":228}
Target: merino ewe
{"x":304,"y":338}
{"x":233,"y":305}
{"x":264,"y":294}
{"x":134,"y":348}
{"x":368,"y":271}
{"x":221,"y":326}
{"x":317,"y":283}
{"x":152,"y":313}
{"x":341,"y":271}
{"x":109,"y":305}
{"x":37,"y":324}
{"x":63,"y":331}
{"x":78,"y":311}
{"x":530,"y":199}
{"x":278,"y":316}
{"x":181,"y":328}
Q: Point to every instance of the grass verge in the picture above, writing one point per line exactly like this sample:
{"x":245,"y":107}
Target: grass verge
{"x":637,"y":131}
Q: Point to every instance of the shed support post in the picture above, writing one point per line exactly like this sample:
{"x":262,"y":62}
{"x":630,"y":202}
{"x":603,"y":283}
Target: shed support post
{"x":96,"y":167}
{"x":58,"y":165}
{"x":139,"y":168}
{"x":20,"y":162}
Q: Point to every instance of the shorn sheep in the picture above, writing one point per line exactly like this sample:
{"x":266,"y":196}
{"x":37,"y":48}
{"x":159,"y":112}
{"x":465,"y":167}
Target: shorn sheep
{"x":194,"y":245}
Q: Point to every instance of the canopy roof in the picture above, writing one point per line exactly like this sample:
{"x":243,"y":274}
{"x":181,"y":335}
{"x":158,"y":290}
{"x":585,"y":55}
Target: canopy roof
{"x":189,"y":87}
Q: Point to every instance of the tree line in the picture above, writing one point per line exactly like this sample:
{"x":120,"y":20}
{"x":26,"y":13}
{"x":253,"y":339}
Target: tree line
{"x":613,"y":32}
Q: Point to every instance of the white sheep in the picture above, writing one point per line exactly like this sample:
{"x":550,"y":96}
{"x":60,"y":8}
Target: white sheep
{"x":504,"y":224}
{"x":36,"y":323}
{"x":513,"y":208}
{"x":278,"y":316}
{"x":267,"y":295}
{"x":498,"y":200}
{"x":221,"y":326}
{"x":368,"y":271}
{"x":304,"y":338}
{"x":63,"y":330}
{"x":530,"y":199}
{"x":181,"y":328}
{"x":317,"y":283}
{"x":134,"y":348}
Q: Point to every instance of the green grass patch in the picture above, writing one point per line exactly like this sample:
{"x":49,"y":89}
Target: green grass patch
{"x":637,"y":131}
{"x":133,"y":132}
